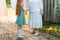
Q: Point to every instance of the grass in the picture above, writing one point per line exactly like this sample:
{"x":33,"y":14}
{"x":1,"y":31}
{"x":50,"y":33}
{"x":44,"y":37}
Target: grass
{"x":51,"y":28}
{"x":48,"y":27}
{"x":8,"y":3}
{"x":19,"y":39}
{"x":49,"y":24}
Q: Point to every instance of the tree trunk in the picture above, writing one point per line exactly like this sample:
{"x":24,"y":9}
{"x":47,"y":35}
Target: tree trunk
{"x":49,"y":10}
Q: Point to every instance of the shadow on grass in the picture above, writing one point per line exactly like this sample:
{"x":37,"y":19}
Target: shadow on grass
{"x":49,"y":24}
{"x":19,"y":39}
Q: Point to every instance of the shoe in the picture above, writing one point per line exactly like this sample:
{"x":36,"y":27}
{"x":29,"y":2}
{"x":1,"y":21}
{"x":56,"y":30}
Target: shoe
{"x":37,"y":33}
{"x":20,"y":36}
{"x":33,"y":32}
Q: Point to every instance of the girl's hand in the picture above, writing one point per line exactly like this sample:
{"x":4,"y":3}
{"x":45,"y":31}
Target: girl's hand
{"x":25,"y":12}
{"x":24,"y":8}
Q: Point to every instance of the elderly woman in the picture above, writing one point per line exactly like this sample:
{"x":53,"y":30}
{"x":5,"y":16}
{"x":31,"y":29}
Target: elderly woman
{"x":35,"y":8}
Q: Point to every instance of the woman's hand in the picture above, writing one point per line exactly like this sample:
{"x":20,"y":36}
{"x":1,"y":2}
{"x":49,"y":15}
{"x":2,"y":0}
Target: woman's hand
{"x":41,"y":11}
{"x":28,"y":8}
{"x":25,"y":10}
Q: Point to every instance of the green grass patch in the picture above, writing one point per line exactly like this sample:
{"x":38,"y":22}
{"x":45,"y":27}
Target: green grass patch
{"x":51,"y":28}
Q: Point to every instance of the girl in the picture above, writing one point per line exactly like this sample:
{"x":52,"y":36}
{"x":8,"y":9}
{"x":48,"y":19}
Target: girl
{"x":35,"y":8}
{"x":20,"y":16}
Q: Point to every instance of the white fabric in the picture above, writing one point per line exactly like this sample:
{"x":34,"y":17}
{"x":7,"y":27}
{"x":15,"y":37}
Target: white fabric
{"x":19,"y":32}
{"x":35,"y":5}
{"x":35,"y":20}
{"x":34,"y":1}
{"x":3,"y":8}
{"x":13,"y":4}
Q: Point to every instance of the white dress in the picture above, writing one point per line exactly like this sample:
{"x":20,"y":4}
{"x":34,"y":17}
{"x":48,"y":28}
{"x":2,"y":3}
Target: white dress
{"x":13,"y":4}
{"x":3,"y":8}
{"x":35,"y":15}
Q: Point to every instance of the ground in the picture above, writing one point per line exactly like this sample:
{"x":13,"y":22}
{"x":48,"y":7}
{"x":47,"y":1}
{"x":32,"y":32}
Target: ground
{"x":8,"y":30}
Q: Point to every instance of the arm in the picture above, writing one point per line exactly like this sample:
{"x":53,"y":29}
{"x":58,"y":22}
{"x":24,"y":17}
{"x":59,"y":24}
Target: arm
{"x":24,"y":3}
{"x":41,"y":6}
{"x":27,"y":5}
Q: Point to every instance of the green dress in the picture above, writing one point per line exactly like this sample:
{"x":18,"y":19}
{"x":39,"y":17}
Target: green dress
{"x":21,"y":18}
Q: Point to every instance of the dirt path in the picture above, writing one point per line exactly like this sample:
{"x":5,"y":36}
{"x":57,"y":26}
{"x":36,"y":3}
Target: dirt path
{"x":8,"y":30}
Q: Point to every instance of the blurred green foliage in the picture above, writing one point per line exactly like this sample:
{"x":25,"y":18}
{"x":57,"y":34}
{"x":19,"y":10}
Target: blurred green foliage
{"x":8,"y":2}
{"x":58,"y":11}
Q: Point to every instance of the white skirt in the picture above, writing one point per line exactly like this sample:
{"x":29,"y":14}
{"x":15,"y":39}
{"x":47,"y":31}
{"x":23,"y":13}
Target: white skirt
{"x":35,"y":20}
